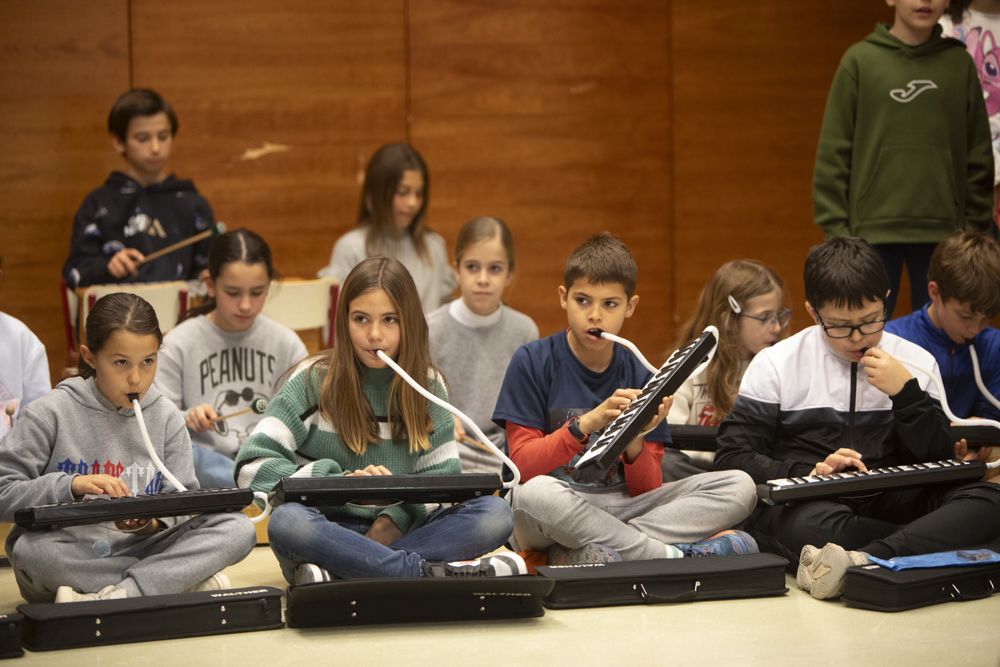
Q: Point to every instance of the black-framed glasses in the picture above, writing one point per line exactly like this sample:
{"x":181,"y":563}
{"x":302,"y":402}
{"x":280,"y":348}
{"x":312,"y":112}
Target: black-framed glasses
{"x":845,"y":330}
{"x":781,"y":318}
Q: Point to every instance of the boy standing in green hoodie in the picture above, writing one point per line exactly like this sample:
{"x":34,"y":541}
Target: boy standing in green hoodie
{"x":904,"y":156}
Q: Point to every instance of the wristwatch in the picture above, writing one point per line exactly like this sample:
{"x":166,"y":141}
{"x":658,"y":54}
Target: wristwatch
{"x":573,"y":425}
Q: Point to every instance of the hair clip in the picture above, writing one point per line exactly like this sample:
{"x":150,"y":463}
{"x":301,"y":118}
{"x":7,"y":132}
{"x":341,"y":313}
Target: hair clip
{"x":735,"y":306}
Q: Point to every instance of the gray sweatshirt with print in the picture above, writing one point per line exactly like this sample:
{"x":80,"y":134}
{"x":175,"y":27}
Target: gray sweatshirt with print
{"x":75,"y":430}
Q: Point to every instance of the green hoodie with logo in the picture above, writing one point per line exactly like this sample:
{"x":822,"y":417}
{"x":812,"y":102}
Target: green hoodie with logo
{"x":904,"y":154}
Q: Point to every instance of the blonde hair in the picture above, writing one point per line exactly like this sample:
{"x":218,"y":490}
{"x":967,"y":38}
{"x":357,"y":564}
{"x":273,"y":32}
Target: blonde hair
{"x":342,"y":398}
{"x":743,"y":279}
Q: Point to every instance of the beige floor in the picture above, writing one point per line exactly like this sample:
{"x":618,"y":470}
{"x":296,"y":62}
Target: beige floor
{"x":790,"y":630}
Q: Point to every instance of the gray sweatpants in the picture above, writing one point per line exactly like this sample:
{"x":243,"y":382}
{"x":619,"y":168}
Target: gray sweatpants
{"x":548,"y":511}
{"x":88,"y":558}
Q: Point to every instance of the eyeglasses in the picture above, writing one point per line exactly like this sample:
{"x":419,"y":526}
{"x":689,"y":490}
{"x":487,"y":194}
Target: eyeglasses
{"x":781,"y":318}
{"x":846,"y":330}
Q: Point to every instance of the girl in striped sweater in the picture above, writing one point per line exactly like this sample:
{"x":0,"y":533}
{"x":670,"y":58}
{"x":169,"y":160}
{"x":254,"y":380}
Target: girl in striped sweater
{"x":345,"y":413}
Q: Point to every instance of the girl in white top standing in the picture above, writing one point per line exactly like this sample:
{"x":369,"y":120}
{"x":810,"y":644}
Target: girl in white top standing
{"x":221,"y":362}
{"x":391,"y":222}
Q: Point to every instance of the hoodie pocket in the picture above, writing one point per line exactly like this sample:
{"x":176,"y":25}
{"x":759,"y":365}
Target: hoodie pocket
{"x":916,"y":182}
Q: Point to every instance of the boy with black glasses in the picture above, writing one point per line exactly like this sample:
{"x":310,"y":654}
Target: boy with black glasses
{"x":845,"y":395}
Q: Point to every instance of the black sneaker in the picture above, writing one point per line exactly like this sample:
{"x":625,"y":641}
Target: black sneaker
{"x":506,"y":564}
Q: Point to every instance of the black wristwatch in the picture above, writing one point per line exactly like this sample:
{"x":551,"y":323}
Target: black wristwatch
{"x":574,"y":430}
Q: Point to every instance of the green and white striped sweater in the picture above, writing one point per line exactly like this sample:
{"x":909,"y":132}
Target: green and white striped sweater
{"x":285,"y":444}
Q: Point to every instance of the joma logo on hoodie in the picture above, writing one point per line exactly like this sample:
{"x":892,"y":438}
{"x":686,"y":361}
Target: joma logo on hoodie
{"x":912,"y":90}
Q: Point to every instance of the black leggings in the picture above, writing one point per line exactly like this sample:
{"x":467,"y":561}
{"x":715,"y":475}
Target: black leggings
{"x":893,"y":523}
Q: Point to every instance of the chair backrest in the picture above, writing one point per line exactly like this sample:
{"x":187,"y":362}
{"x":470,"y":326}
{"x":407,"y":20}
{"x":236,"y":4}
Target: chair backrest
{"x":168,"y":299}
{"x":304,"y":304}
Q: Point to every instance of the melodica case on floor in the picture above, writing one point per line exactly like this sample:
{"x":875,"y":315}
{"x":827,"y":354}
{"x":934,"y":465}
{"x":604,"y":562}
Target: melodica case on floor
{"x":367,"y":601}
{"x":881,"y":589}
{"x":664,"y":580}
{"x":51,"y":626}
{"x":10,"y":636}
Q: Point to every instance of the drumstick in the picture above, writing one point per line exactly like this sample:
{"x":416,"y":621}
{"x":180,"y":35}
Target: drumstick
{"x":215,"y":230}
{"x":9,"y":410}
{"x":257,"y":407}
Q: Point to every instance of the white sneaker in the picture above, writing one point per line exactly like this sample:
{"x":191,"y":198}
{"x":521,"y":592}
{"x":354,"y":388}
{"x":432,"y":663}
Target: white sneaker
{"x":310,"y":573}
{"x":217,"y":582}
{"x":67,"y":594}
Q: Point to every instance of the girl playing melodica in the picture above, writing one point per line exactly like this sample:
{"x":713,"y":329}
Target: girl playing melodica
{"x":84,"y":438}
{"x":346,"y":413}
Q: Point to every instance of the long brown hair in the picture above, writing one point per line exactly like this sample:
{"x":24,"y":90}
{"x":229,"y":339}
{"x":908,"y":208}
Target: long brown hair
{"x":382,"y":177}
{"x":342,"y":398}
{"x":744,"y":279}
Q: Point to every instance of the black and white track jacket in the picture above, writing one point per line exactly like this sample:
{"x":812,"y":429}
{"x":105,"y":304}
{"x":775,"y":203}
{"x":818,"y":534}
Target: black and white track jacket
{"x":799,"y":402}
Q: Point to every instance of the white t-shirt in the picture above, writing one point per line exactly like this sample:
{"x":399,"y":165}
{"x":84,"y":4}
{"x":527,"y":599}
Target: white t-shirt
{"x":24,"y":368}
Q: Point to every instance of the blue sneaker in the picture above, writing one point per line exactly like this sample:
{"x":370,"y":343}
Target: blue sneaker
{"x":726,"y":543}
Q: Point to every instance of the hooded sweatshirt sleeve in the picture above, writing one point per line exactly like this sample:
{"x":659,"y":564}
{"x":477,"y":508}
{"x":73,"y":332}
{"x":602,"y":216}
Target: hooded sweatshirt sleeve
{"x":832,"y":172}
{"x":24,"y":455}
{"x":979,"y":183}
{"x":87,"y":264}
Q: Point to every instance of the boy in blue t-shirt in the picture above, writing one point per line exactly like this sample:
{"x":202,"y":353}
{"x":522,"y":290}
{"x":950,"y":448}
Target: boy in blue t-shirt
{"x":964,"y":285}
{"x":559,"y":393}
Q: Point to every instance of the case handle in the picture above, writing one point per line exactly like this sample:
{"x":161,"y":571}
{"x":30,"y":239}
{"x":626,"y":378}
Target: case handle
{"x":654,"y":598}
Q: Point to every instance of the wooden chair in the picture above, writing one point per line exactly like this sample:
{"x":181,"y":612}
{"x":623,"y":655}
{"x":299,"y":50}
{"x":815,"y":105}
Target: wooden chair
{"x":169,"y":300}
{"x":305,"y":306}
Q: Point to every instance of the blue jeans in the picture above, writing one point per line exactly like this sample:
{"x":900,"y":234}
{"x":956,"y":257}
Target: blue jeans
{"x":300,"y":534}
{"x":213,"y":469}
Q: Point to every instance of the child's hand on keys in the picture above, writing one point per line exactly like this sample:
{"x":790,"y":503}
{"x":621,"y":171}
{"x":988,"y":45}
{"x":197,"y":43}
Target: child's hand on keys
{"x":985,"y":455}
{"x":635,"y":447}
{"x":98,"y":484}
{"x":369,"y":471}
{"x":841,"y":459}
{"x":606,"y":412}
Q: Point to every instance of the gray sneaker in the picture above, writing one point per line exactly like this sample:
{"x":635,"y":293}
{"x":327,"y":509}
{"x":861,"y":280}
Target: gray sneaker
{"x":585,"y":555}
{"x":503,"y":564}
{"x":822,"y":571}
{"x":310,"y":573}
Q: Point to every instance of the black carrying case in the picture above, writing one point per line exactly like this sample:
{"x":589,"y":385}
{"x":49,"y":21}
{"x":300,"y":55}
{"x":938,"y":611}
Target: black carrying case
{"x":665,"y":580}
{"x":881,"y":589}
{"x":49,"y":626}
{"x":10,"y":636}
{"x":367,"y":601}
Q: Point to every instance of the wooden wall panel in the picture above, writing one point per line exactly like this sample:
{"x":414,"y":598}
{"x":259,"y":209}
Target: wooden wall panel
{"x":552,"y":116}
{"x":63,"y":63}
{"x":325,"y":81}
{"x":750,"y":84}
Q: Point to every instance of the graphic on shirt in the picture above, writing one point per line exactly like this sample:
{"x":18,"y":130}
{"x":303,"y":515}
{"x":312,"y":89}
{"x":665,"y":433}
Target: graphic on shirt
{"x":982,"y":46}
{"x":140,"y":479}
{"x":229,"y":401}
{"x":142,"y":223}
{"x":912,"y":90}
{"x":707,"y":416}
{"x":236,"y":365}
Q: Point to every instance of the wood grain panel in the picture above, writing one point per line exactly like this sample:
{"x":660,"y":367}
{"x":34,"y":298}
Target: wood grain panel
{"x":750,"y":85}
{"x":63,"y":64}
{"x":324,"y":81}
{"x":552,"y":116}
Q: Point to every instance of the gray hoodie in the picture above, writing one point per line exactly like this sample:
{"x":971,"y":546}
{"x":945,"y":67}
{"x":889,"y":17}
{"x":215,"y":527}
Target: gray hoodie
{"x":75,"y":430}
